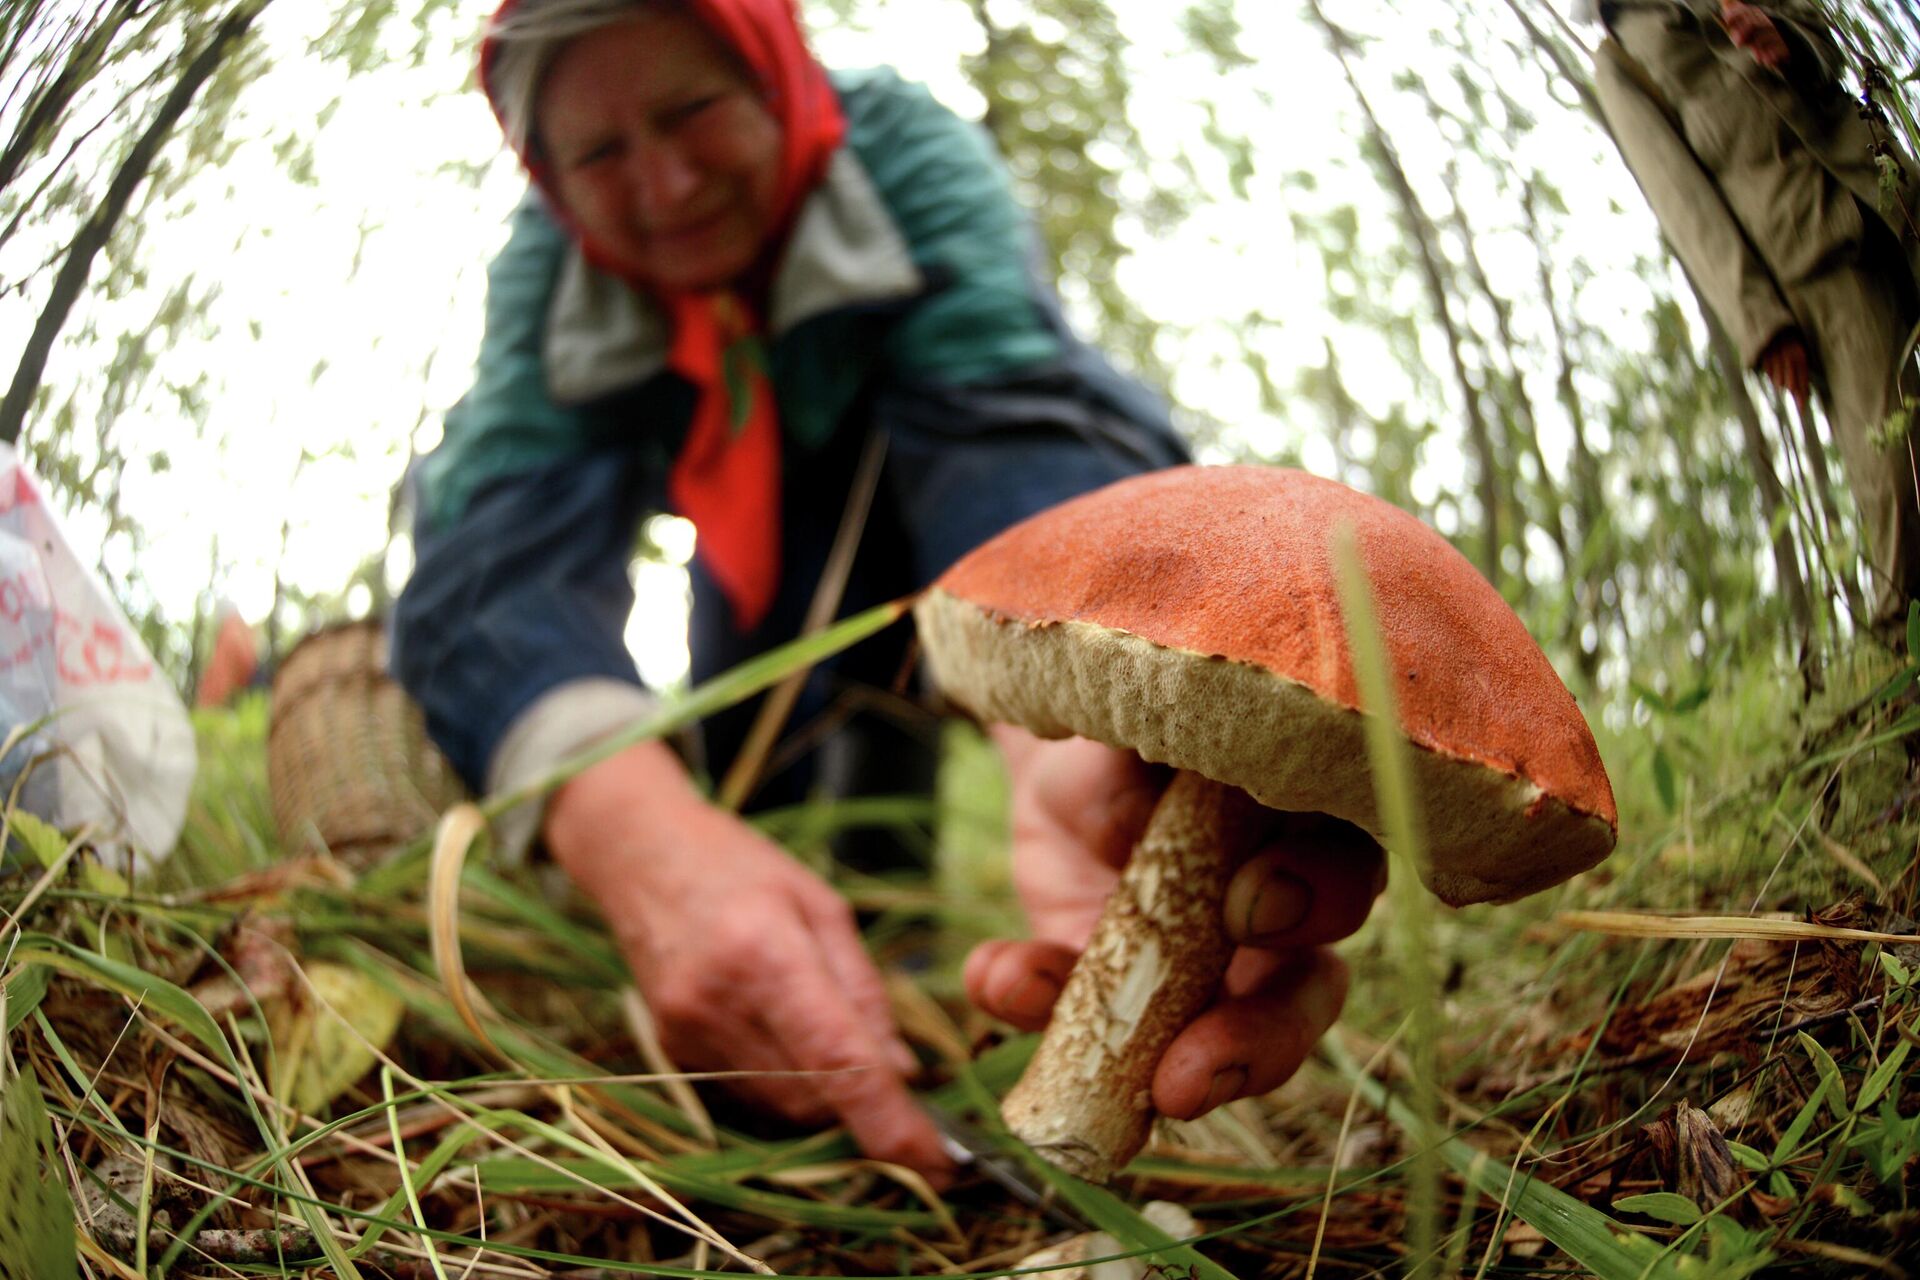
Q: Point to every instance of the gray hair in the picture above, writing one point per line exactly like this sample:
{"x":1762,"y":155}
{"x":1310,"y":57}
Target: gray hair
{"x":527,"y":40}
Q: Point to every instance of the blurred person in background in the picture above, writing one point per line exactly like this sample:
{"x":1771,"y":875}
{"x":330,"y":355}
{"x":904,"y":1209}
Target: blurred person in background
{"x":732,"y":271}
{"x":234,"y":664}
{"x":1795,"y":215}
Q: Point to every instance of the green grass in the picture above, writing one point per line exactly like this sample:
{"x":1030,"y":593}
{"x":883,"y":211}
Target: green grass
{"x":147,"y":1016}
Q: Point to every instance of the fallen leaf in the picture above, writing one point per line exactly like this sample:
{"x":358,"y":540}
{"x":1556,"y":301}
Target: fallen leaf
{"x":328,"y":1038}
{"x":1692,"y":1155}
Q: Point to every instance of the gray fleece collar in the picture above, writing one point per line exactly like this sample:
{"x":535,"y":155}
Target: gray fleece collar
{"x":602,"y":336}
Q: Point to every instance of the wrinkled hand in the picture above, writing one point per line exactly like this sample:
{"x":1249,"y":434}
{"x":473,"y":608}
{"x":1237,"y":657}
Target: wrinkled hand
{"x":1751,"y":29}
{"x":749,"y":961}
{"x":1786,"y":364}
{"x":1078,"y":808}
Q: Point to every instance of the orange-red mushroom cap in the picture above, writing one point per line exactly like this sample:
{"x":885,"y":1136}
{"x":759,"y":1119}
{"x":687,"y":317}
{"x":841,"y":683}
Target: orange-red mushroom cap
{"x":1192,"y":615}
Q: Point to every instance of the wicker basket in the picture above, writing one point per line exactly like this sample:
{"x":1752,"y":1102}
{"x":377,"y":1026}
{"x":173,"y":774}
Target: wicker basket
{"x":348,"y":760}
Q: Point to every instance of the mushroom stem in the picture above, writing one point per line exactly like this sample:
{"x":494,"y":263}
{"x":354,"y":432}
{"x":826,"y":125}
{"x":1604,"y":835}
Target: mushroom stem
{"x":1153,"y":963}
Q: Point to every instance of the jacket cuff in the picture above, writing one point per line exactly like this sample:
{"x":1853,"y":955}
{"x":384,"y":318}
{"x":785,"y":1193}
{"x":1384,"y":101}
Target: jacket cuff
{"x":562,"y":722}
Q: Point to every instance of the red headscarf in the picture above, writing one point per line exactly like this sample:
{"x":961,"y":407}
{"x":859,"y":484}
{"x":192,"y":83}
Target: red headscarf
{"x":727,"y":477}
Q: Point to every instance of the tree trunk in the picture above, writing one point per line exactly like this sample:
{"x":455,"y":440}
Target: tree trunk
{"x":1580,"y":82}
{"x":98,"y":229}
{"x":1773,"y":499}
{"x":1587,"y":503}
{"x":1421,"y":229}
{"x":989,"y":31}
{"x":1815,"y":455}
{"x":82,"y":64}
{"x":1521,"y":421}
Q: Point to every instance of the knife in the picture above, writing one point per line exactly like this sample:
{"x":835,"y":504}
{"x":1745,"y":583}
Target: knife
{"x":971,"y":1148}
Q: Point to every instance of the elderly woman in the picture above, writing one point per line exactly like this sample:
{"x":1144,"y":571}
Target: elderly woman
{"x":732,"y":270}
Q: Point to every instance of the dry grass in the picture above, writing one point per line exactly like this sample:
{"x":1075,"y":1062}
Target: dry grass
{"x":1626,"y":1088}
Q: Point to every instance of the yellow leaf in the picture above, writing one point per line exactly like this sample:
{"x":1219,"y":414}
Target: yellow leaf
{"x":329,"y":1037}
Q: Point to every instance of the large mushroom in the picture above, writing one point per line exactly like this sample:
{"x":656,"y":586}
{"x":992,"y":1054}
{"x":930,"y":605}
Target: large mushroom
{"x":1192,"y":616}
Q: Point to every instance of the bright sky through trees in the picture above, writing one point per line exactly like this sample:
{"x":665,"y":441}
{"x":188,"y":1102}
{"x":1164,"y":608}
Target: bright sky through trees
{"x":349,"y":301}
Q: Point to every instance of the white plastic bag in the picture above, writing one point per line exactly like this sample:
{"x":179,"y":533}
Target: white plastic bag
{"x":117,"y":745}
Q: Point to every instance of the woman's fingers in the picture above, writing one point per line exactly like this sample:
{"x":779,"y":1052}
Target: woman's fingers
{"x":1251,"y":1043}
{"x":1273,"y":1008}
{"x":1305,"y":889}
{"x":822,"y":1031}
{"x":838,"y":938}
{"x":1018,"y":982}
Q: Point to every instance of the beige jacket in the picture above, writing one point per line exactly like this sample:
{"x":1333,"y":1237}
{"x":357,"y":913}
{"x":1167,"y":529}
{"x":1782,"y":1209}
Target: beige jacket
{"x":1686,"y":106}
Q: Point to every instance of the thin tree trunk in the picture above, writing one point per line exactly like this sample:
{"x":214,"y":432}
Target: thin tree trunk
{"x":56,"y":171}
{"x":1555,"y":523}
{"x":1773,"y":499}
{"x":82,"y":64}
{"x":1421,"y":229}
{"x":1815,"y":460}
{"x":93,"y":237}
{"x":1587,"y":505}
{"x":1581,"y":83}
{"x":1345,"y":411}
{"x":16,"y":22}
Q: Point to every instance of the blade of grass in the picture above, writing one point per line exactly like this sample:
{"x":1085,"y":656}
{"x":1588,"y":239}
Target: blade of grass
{"x":516,"y":1175}
{"x":50,"y":875}
{"x":1633,"y":924}
{"x":1905,"y":727}
{"x":154,"y":995}
{"x":1583,"y":1233}
{"x":186,"y":1159}
{"x":820,"y":819}
{"x":682,"y":1215}
{"x":25,"y":987}
{"x":1339,"y":1144}
{"x":427,"y":1000}
{"x":455,"y":833}
{"x":406,"y":1174}
{"x":36,"y":1221}
{"x":84,"y":1084}
{"x":723,"y":691}
{"x":291,"y":1176}
{"x":152,"y":991}
{"x":590,"y":949}
{"x":1413,"y":932}
{"x":425,"y":1172}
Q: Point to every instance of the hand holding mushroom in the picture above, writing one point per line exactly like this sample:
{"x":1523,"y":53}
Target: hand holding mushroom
{"x":1192,"y":616}
{"x":1080,"y":807}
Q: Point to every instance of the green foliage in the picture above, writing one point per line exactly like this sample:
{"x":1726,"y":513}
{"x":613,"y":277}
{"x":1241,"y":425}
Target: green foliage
{"x":90,"y":84}
{"x":1057,"y":92}
{"x":1888,"y":1142}
{"x":230,"y":828}
{"x":1661,"y":1206}
{"x":36,"y":1214}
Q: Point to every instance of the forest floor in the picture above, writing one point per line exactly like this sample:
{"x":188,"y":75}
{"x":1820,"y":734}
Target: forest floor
{"x":1691,"y":1061}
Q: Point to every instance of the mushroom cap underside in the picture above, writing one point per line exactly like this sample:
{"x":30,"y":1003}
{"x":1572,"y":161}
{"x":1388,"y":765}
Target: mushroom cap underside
{"x":1192,"y":616}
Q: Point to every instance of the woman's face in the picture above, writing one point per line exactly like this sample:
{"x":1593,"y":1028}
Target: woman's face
{"x":661,"y":150}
